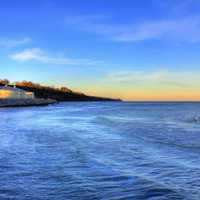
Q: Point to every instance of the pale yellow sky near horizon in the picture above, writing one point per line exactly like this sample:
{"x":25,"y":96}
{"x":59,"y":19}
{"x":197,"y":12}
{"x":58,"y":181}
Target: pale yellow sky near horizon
{"x":138,"y":85}
{"x":147,"y":95}
{"x":147,"y":86}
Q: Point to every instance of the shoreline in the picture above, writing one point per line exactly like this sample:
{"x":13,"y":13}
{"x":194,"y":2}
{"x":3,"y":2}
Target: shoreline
{"x":25,"y":102}
{"x":9,"y":103}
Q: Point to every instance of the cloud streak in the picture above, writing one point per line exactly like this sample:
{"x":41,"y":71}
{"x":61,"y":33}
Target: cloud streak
{"x":181,"y":79}
{"x":11,"y":43}
{"x":185,"y":29}
{"x":36,"y":54}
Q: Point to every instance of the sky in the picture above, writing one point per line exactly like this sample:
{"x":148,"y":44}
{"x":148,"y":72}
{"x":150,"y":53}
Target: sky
{"x":129,"y":49}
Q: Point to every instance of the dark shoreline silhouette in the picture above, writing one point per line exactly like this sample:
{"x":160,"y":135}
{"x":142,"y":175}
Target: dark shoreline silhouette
{"x":58,"y":94}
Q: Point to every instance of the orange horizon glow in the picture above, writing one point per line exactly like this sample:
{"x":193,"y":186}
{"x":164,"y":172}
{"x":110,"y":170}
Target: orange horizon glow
{"x":148,"y":95}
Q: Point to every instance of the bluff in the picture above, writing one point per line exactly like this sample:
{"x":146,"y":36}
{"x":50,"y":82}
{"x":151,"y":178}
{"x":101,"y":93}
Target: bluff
{"x":58,"y":94}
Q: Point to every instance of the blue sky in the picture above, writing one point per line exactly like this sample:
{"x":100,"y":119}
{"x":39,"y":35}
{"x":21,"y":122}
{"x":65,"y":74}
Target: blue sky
{"x":132,"y":49}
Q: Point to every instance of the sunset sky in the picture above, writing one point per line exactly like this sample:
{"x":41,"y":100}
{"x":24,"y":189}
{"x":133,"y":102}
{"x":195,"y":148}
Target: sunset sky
{"x":129,"y":49}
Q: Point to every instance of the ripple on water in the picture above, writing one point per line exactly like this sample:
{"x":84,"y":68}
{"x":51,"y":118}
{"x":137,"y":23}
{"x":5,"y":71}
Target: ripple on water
{"x":110,"y":151}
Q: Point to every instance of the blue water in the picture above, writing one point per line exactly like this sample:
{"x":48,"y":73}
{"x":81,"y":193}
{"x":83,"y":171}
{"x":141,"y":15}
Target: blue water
{"x":109,"y":151}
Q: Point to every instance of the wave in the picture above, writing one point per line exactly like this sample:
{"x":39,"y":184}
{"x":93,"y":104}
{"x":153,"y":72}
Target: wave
{"x":111,"y":120}
{"x":194,"y":119}
{"x":137,"y":187}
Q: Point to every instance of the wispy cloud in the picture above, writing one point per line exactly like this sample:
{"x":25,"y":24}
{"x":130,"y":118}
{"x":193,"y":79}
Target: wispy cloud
{"x":36,"y":54}
{"x":92,"y":23}
{"x":175,"y":28}
{"x":85,"y":19}
{"x":181,"y":79}
{"x":185,"y":29}
{"x":10,"y":43}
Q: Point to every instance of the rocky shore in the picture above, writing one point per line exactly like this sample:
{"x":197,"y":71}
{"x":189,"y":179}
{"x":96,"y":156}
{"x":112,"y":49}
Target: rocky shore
{"x":25,"y":102}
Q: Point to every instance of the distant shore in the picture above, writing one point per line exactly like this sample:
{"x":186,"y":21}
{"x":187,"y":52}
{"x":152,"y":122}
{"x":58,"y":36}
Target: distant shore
{"x":58,"y":94}
{"x":25,"y":102}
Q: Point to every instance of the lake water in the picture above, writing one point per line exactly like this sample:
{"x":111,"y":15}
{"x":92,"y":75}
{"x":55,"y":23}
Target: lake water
{"x":110,"y":151}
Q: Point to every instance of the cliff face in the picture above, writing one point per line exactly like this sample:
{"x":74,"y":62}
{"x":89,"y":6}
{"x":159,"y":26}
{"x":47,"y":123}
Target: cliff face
{"x":58,"y":94}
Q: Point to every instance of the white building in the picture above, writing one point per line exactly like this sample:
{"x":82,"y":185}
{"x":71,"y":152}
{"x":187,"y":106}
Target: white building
{"x":7,"y":92}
